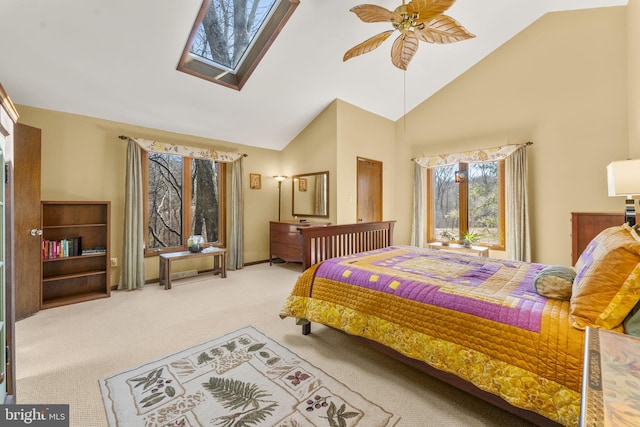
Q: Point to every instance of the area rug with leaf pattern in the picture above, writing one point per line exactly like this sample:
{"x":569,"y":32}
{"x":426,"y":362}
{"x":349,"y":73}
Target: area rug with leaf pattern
{"x":243,"y":378}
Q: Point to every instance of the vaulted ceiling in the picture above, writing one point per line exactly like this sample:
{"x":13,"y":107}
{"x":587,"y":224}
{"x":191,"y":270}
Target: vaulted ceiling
{"x":117,"y":60}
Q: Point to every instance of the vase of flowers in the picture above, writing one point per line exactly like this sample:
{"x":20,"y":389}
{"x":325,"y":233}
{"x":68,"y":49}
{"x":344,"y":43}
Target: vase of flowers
{"x":446,"y":236}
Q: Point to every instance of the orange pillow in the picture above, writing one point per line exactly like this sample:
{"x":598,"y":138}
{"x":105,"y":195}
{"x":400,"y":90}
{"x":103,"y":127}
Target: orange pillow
{"x":607,"y":283}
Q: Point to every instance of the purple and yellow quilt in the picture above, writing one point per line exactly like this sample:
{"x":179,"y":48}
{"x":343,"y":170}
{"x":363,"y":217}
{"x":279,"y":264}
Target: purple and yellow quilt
{"x":478,"y":318}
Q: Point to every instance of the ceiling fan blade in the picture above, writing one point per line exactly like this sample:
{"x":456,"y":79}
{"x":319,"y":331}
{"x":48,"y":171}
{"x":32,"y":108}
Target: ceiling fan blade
{"x":372,"y":13}
{"x":428,"y":9}
{"x":403,"y":49}
{"x":367,"y":45}
{"x":443,"y":29}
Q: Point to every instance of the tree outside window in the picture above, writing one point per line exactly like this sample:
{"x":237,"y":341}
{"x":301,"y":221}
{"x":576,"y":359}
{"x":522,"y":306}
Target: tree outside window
{"x":230,"y":37}
{"x":472,"y":205}
{"x":183,"y":197}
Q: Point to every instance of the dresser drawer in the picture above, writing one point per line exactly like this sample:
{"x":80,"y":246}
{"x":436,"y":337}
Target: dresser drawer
{"x":285,"y":240}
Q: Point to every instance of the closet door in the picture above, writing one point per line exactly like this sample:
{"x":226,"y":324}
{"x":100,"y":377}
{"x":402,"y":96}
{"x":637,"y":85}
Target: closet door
{"x":369,"y":196}
{"x":8,"y":117}
{"x":3,"y":270}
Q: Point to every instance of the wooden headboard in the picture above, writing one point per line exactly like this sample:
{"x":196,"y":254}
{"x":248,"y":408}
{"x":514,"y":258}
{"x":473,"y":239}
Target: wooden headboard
{"x":320,"y":243}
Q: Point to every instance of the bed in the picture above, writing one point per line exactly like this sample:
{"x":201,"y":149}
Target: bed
{"x":478,"y":323}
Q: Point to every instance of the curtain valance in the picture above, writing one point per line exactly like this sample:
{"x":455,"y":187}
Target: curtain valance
{"x":186,"y":151}
{"x":474,"y":156}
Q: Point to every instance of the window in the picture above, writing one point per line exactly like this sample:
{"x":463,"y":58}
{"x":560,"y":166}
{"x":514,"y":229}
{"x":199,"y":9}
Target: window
{"x":183,"y":197}
{"x":468,"y":197}
{"x":230,"y":37}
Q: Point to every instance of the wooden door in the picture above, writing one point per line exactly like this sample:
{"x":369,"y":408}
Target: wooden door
{"x":369,"y":195}
{"x":26,"y":203}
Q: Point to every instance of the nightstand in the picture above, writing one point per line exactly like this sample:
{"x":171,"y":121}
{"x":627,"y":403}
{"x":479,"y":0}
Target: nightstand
{"x":610,"y":379}
{"x":460,"y":249}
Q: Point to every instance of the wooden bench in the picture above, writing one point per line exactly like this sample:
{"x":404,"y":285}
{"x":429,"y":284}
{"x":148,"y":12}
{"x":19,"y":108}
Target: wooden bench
{"x":219,"y":262}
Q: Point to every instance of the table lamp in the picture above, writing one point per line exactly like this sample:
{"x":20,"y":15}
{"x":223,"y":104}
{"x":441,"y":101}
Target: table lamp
{"x":623,"y":179}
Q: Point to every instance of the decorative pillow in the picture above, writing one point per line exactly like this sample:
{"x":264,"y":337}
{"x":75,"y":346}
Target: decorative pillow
{"x":555,"y":281}
{"x":632,"y":322}
{"x":607,"y":283}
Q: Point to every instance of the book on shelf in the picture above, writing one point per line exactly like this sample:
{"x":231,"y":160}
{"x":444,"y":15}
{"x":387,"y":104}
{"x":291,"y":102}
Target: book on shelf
{"x":61,"y":248}
{"x":95,"y":251}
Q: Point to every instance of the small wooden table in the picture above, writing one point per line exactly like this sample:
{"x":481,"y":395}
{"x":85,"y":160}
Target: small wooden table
{"x":461,"y":249}
{"x":219,"y":262}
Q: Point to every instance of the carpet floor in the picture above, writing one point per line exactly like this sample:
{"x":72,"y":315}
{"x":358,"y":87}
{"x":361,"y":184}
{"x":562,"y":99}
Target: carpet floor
{"x":61,"y":353}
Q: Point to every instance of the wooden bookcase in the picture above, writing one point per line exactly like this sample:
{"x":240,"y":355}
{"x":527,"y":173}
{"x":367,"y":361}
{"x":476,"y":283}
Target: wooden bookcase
{"x":76,"y":278}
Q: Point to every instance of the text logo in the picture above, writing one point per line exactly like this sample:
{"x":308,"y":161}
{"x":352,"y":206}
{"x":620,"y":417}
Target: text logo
{"x":34,"y":415}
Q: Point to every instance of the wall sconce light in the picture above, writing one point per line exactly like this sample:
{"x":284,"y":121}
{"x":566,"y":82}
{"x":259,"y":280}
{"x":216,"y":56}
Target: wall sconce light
{"x":461,"y":176}
{"x":623,"y":179}
{"x":279,"y":178}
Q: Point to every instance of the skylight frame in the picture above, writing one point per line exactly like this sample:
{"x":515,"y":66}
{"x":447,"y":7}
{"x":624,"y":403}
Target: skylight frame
{"x":215,"y":73}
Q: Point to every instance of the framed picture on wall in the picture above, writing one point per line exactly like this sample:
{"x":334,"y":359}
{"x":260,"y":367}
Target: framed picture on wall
{"x":255,"y":181}
{"x":302,"y":184}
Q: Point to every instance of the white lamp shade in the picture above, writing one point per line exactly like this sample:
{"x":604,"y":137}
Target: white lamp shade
{"x":623,"y":178}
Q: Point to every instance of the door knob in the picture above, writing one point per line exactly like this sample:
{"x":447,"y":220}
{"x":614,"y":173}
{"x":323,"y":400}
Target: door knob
{"x":36,"y":232}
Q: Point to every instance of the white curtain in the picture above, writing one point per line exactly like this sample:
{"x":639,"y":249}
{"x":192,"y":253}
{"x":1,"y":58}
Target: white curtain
{"x":235,"y":252}
{"x":132,"y":272}
{"x":419,"y":207}
{"x":473,"y":156}
{"x":320,"y":199}
{"x":186,"y":151}
{"x":517,"y":206}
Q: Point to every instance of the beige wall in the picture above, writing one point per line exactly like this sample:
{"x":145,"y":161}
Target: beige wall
{"x":313,"y":150}
{"x":633,"y":82}
{"x":83,"y":159}
{"x":333,"y":142}
{"x":559,"y":84}
{"x":363,"y":134}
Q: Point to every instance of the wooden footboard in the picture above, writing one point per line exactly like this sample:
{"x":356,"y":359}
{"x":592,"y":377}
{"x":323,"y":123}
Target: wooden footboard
{"x":320,"y":243}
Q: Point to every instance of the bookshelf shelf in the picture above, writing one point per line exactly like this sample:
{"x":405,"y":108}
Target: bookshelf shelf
{"x":73,"y":257}
{"x":72,"y":275}
{"x":64,"y":277}
{"x":56,"y":302}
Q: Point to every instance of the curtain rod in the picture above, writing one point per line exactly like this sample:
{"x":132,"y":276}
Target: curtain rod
{"x":123,"y":137}
{"x":526,"y":144}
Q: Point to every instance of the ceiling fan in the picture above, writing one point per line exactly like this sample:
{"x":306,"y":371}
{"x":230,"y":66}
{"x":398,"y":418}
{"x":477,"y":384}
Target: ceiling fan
{"x":418,"y":20}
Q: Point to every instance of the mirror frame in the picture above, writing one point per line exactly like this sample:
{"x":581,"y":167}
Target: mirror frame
{"x":294,"y":182}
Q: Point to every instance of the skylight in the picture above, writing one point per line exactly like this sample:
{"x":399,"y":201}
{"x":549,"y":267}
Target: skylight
{"x":230,"y":37}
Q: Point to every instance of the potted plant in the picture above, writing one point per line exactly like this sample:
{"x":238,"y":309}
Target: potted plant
{"x":469,"y":238}
{"x":446,"y":236}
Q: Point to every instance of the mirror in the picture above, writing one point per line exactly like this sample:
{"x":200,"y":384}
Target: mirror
{"x":311,"y":194}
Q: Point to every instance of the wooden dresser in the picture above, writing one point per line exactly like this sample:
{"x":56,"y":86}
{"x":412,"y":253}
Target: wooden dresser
{"x":285,"y":241}
{"x":587,"y":225}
